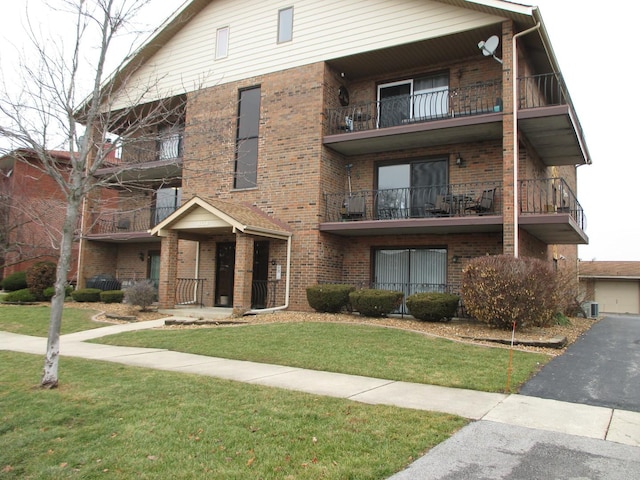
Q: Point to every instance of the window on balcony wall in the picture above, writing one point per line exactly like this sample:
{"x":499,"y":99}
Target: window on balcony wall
{"x":246,"y":169}
{"x":410,"y":270}
{"x":167,"y":201}
{"x":169,"y":143}
{"x":406,"y":189}
{"x":285,"y":25}
{"x":415,"y":99}
{"x":222,"y":42}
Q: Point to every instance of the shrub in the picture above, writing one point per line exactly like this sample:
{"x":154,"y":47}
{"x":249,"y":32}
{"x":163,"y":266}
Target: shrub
{"x":41,"y":275}
{"x":112,"y":296}
{"x":375,"y":303}
{"x":49,"y":292}
{"x":20,"y":296}
{"x":15,"y":281}
{"x":141,"y":294}
{"x":433,"y":306}
{"x":499,"y":290}
{"x":86,"y":295}
{"x":329,"y":297}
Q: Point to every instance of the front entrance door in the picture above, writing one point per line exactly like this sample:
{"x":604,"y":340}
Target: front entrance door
{"x":225,"y":266}
{"x":260,"y":284}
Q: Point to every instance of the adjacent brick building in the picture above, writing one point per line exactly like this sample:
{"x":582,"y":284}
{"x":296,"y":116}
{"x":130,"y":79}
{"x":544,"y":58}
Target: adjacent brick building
{"x":370,"y":143}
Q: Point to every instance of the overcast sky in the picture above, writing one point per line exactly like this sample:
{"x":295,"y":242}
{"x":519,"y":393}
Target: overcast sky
{"x":591,"y":40}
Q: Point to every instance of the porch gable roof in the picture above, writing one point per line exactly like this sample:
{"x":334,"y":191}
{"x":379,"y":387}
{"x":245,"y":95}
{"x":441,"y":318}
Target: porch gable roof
{"x":219,"y":216}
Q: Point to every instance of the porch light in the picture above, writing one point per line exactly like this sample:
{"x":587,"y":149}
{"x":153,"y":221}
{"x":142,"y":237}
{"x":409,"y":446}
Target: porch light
{"x":141,"y":256}
{"x":459,"y":160}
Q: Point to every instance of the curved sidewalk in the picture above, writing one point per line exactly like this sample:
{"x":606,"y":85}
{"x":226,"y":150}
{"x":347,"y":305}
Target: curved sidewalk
{"x":548,"y":415}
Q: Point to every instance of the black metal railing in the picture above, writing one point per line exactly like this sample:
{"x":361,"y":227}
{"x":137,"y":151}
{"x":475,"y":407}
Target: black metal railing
{"x":137,"y":220}
{"x":542,"y":91}
{"x":150,"y":149}
{"x":263,"y":293}
{"x":190,"y":291}
{"x":452,"y":200}
{"x":550,"y":196}
{"x":475,"y":99}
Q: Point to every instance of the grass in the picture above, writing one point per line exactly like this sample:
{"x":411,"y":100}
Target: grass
{"x":353,"y":349}
{"x":119,"y":422}
{"x":34,"y":320}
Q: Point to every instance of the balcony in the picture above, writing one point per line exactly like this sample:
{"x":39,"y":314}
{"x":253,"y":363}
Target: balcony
{"x":467,"y":114}
{"x":147,"y":159}
{"x":548,"y":121}
{"x":550,"y":211}
{"x":454,"y":208}
{"x":548,"y":208}
{"x":128,"y":225}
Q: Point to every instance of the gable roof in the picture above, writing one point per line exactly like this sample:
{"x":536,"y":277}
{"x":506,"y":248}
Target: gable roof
{"x":524,"y":16}
{"x":220,"y":216}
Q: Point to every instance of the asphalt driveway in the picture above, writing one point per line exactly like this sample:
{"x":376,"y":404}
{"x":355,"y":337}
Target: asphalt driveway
{"x":602,"y":368}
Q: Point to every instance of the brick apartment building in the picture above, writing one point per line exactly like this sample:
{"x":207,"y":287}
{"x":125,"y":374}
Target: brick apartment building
{"x":363,"y":142}
{"x":32,"y":209}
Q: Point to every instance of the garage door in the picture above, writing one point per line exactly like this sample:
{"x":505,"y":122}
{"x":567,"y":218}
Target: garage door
{"x":618,"y":296}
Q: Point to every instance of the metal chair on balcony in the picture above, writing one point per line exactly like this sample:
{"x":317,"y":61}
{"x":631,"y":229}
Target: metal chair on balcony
{"x":484,"y":203}
{"x":353,"y":207}
{"x":440,"y":208}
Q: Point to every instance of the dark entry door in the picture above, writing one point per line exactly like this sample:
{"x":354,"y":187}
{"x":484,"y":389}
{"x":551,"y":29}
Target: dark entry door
{"x":260,"y":284}
{"x":225,"y":263}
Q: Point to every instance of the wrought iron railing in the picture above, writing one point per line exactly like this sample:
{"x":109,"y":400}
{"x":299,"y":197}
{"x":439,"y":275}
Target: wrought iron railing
{"x":149,"y":149}
{"x":470,"y":100}
{"x":542,"y":91}
{"x":190,"y":291}
{"x":136,"y":220}
{"x":263,"y":293}
{"x":452,"y":200}
{"x":550,"y":195}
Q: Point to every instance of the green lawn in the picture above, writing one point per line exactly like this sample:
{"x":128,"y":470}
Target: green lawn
{"x":119,"y":422}
{"x":34,"y":320}
{"x":353,"y":349}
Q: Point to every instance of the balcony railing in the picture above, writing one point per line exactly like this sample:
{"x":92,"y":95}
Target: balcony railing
{"x":163,"y":148}
{"x":138,"y":220}
{"x":476,"y":99}
{"x":190,"y":291}
{"x":453,"y":200}
{"x":550,"y":195}
{"x":542,"y":91}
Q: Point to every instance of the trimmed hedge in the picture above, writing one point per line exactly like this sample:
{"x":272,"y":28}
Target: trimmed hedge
{"x":20,"y":296}
{"x":372,"y":302}
{"x":330,"y":297}
{"x":433,"y":306}
{"x":15,"y":281}
{"x":112,"y":296}
{"x":86,"y":295}
{"x":41,"y":275}
{"x":49,"y":292}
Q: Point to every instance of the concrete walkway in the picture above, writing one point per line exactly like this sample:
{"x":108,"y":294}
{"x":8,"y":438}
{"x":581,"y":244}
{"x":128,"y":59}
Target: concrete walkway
{"x":525,"y":413}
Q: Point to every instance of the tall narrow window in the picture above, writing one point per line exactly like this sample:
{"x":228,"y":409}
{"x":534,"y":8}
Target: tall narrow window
{"x":222,"y":42}
{"x":246,"y":171}
{"x":285,"y":25}
{"x":167,"y":201}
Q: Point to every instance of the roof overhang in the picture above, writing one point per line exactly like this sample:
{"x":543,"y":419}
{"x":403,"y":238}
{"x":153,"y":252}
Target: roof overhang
{"x":199,"y":217}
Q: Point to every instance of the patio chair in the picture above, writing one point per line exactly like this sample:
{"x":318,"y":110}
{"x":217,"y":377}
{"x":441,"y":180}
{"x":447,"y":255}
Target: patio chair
{"x":440,"y":208}
{"x":353,"y":207}
{"x":484,"y":203}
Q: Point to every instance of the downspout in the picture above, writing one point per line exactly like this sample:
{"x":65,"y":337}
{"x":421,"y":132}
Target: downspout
{"x":257,"y":311}
{"x":516,"y":149}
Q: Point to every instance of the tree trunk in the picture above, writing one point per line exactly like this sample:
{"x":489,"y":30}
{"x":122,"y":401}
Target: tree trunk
{"x":50,"y":373}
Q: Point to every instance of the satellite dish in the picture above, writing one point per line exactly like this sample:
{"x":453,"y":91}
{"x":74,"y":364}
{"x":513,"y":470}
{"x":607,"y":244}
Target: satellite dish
{"x":489,"y":47}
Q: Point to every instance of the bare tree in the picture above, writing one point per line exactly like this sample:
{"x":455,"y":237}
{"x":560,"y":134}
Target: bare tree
{"x":53,"y":111}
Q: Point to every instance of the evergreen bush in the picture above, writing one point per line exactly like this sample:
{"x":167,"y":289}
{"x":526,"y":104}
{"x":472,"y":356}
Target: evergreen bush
{"x":86,"y":295}
{"x":49,"y":292}
{"x":499,"y":290}
{"x":15,"y":281}
{"x":112,"y":296}
{"x":372,"y":302}
{"x":330,"y":297}
{"x":433,"y":306}
{"x":20,"y":296}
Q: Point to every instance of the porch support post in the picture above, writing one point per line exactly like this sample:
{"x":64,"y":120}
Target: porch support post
{"x":243,"y":275}
{"x":168,"y":270}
